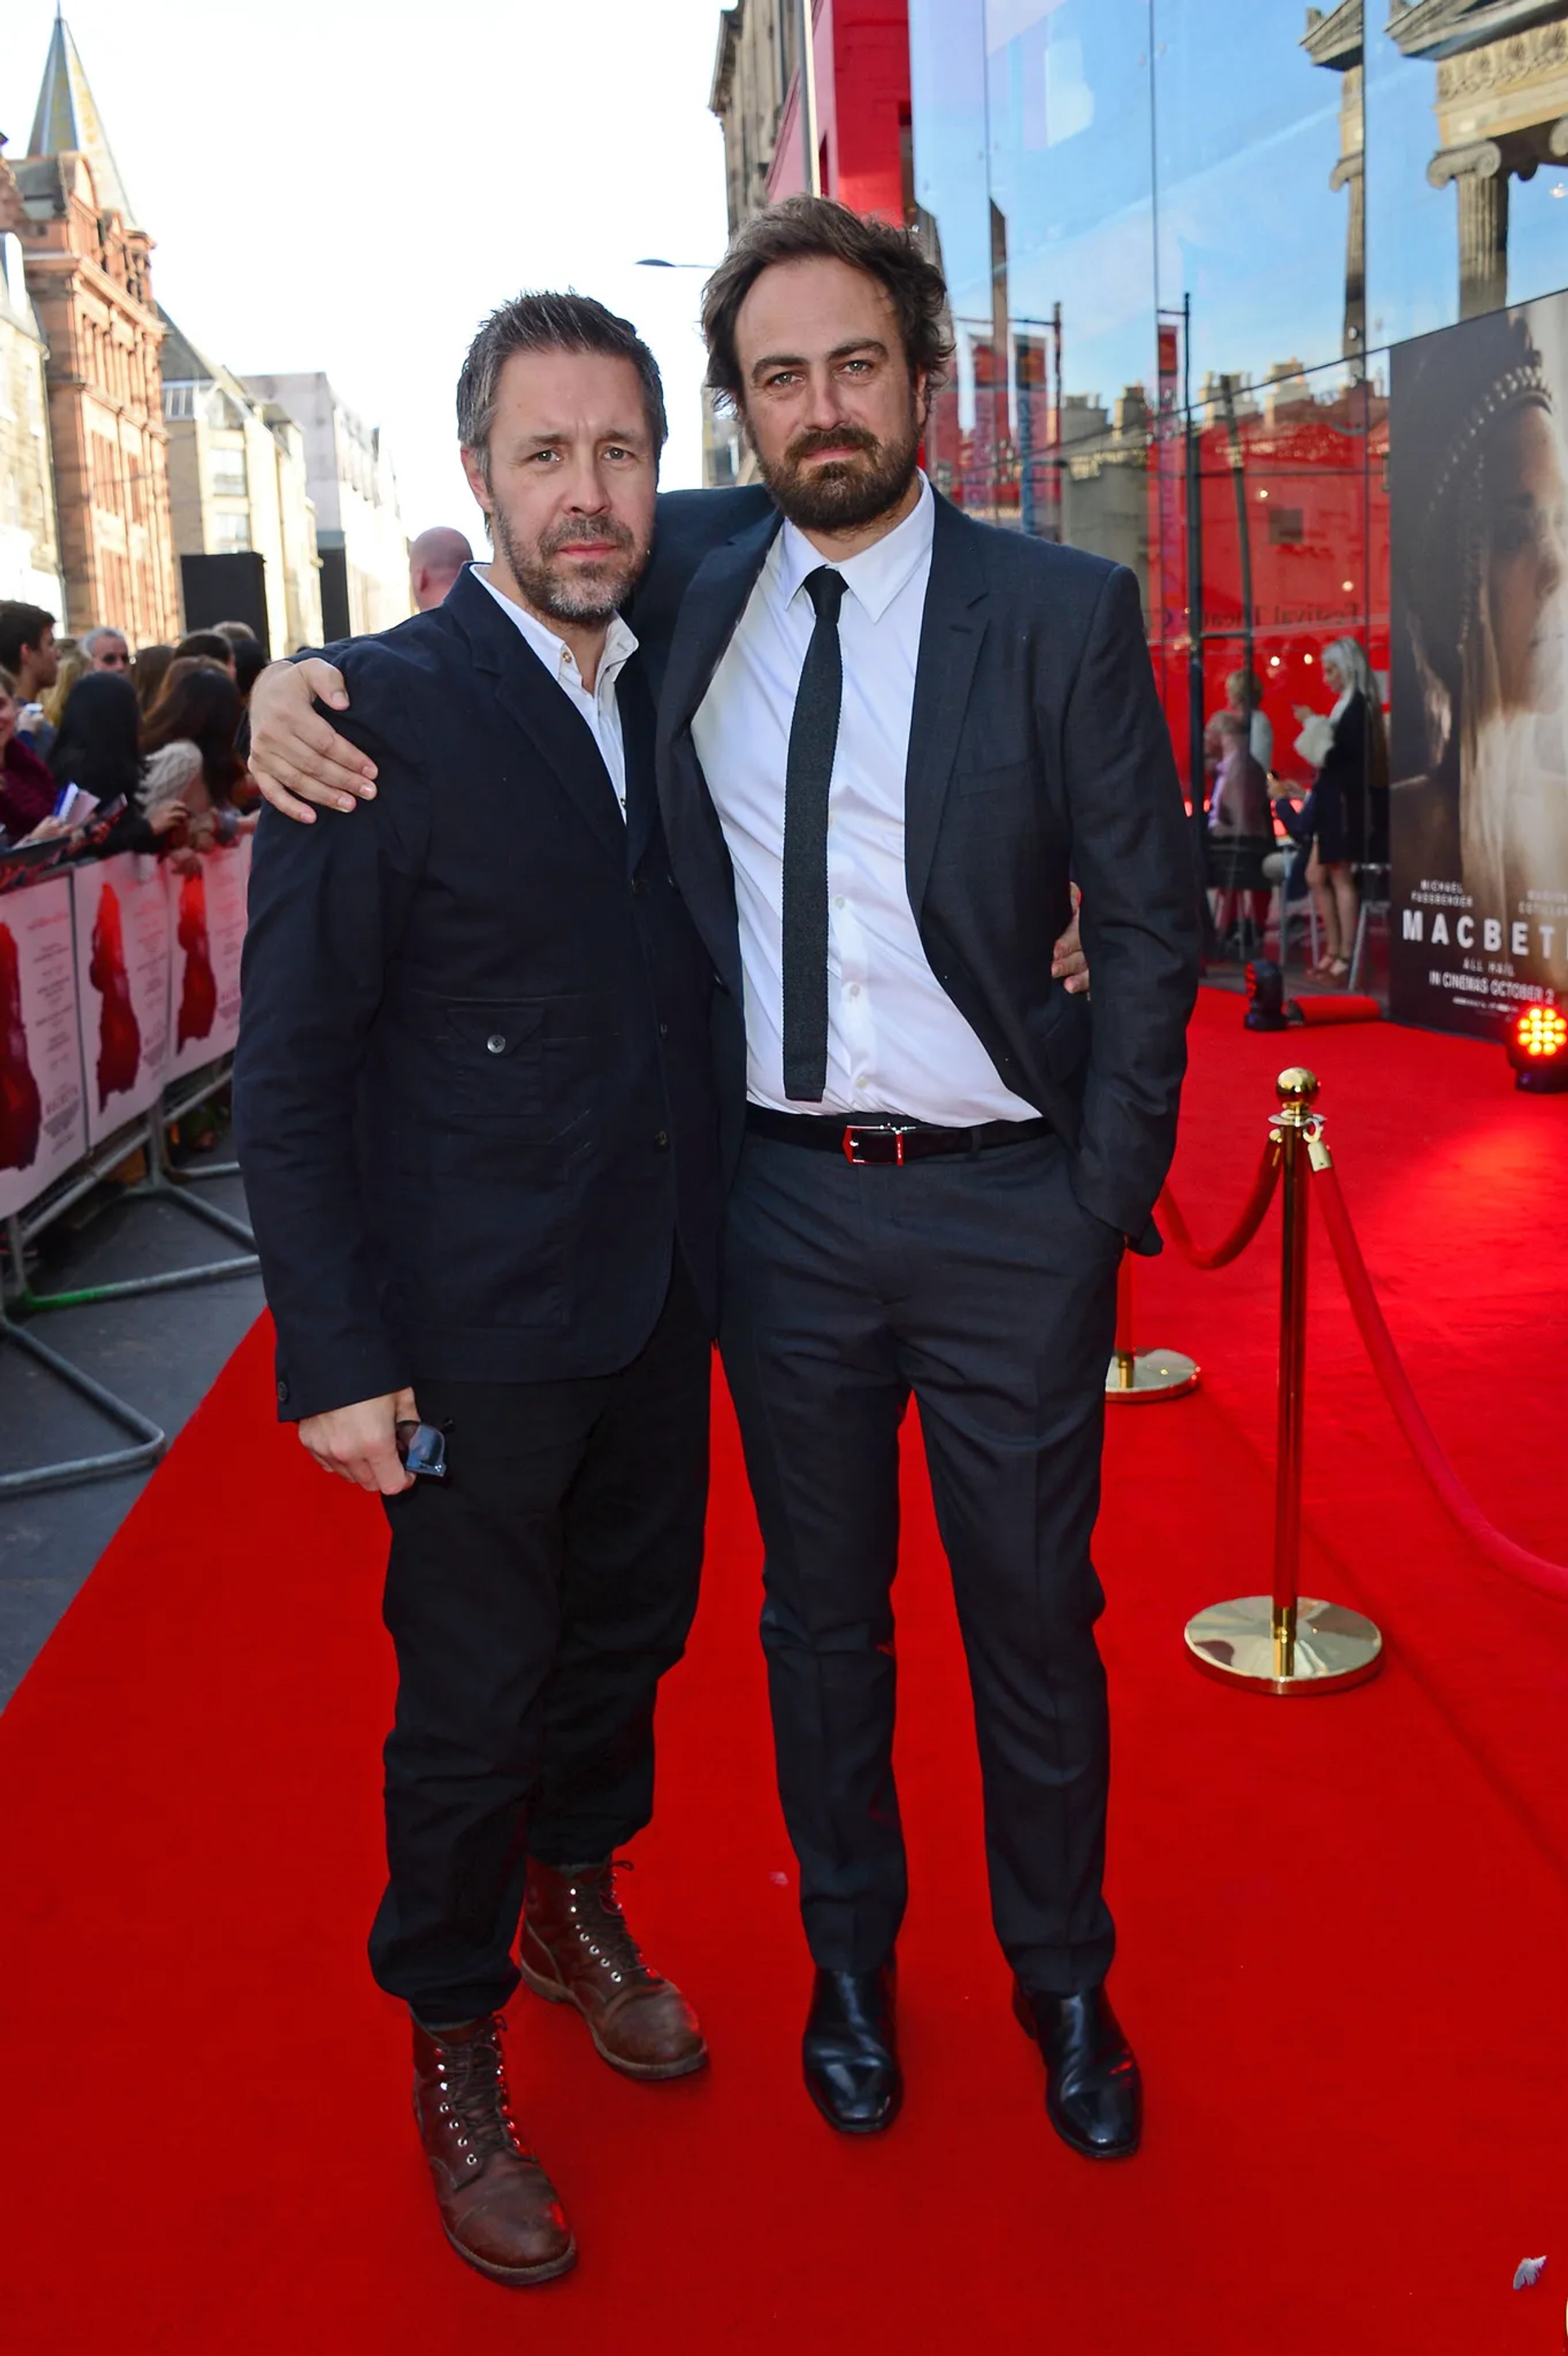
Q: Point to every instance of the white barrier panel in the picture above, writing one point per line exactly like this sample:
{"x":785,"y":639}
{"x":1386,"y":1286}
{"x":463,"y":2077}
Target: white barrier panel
{"x":123,"y":967}
{"x":43,"y":1127}
{"x":206,"y":918}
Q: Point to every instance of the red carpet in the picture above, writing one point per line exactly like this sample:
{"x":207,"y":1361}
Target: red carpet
{"x":1343,"y":1922}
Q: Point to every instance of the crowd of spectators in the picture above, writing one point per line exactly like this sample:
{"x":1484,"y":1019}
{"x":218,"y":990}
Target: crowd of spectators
{"x":150,"y":740}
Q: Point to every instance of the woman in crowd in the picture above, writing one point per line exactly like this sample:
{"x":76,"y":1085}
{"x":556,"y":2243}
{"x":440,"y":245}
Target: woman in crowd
{"x":148,"y":673}
{"x":1481,"y":474}
{"x":74,"y":664}
{"x":27,"y":788}
{"x":189,"y":744}
{"x":97,"y":749}
{"x":1237,"y":810}
{"x":251,"y":660}
{"x":1346,"y":814}
{"x":1261,"y":731}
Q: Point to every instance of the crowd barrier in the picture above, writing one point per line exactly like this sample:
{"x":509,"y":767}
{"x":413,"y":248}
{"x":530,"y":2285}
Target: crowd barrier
{"x":119,"y":1010}
{"x":1285,"y":1643}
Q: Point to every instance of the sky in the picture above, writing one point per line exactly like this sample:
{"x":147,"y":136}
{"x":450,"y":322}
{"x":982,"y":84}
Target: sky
{"x":352,"y":185}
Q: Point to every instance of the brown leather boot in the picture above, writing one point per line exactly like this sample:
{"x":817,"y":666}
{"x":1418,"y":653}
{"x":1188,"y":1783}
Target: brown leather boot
{"x":497,"y":2207}
{"x":577,"y":1949}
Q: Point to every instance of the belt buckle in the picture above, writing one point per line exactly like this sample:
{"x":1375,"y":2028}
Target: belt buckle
{"x":897,"y":1130}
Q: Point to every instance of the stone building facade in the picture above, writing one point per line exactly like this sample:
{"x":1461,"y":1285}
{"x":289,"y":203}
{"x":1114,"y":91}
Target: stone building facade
{"x":237,"y":483}
{"x":752,"y":76}
{"x":88,"y":273}
{"x":360,"y":530}
{"x":29,"y":531}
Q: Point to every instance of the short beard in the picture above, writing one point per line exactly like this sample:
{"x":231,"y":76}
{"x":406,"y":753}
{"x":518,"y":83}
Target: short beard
{"x":841,"y":497}
{"x":591,"y":593}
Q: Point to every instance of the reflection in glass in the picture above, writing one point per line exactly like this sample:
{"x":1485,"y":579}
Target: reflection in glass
{"x":1308,"y":185}
{"x":1334,"y":41}
{"x":1058,"y":263}
{"x":1290,"y":503}
{"x":1484,"y":89}
{"x":1257,"y":181}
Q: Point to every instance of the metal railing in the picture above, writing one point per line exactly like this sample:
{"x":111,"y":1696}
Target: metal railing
{"x":149,"y":1134}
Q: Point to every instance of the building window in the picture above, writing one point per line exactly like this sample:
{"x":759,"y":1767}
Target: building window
{"x":230,"y":534}
{"x":226,"y":473}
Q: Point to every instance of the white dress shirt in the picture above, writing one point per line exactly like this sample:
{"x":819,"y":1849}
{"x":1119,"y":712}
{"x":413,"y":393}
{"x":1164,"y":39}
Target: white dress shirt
{"x":598,"y":707}
{"x":895,"y":1041}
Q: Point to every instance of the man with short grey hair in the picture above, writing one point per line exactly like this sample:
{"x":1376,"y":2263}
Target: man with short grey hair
{"x":106,"y":649}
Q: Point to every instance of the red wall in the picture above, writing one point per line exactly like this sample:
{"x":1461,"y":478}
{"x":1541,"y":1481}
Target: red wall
{"x":863,"y":105}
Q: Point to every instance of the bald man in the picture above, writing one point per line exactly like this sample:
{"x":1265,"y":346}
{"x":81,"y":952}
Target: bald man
{"x":435,"y":560}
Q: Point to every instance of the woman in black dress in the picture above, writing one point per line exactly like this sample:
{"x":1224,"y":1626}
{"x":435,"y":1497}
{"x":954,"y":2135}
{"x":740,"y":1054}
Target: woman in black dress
{"x":1347,"y":812}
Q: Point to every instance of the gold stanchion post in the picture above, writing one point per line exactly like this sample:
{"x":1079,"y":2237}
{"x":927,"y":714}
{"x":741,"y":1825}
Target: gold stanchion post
{"x":1137,"y":1377}
{"x":1283,"y":1643}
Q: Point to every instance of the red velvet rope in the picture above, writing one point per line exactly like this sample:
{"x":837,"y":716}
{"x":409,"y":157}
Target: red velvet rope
{"x":1547,"y":1577}
{"x":1245,"y":1229}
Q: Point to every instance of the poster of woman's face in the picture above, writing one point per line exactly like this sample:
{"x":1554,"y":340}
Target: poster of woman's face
{"x":1478,"y":486}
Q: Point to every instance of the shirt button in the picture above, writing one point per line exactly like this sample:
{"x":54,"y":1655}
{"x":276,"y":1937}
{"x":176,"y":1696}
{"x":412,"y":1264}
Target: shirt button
{"x":854,"y":990}
{"x":661,"y":1138}
{"x":837,"y":900}
{"x":496,"y":1043}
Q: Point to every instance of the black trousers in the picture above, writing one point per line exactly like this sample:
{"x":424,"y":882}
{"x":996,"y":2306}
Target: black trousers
{"x":977,"y":1284}
{"x":534,"y":1600}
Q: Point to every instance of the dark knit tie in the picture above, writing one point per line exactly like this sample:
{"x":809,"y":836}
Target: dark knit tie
{"x":814,"y":738}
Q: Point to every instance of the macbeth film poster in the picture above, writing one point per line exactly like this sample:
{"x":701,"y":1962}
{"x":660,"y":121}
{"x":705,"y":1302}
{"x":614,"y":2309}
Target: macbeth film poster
{"x":122,"y":984}
{"x":42,"y":1127}
{"x":1478,"y":493}
{"x":207,"y":912}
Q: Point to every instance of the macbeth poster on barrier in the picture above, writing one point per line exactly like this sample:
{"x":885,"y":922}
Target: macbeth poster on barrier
{"x":1479,"y":490}
{"x":122,"y":985}
{"x":207,"y":914}
{"x":42,"y":1126}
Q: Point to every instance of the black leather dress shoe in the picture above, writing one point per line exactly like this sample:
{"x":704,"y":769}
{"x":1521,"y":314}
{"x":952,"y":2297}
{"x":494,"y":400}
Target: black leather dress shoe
{"x":850,"y":2050}
{"x":1094,"y":2096}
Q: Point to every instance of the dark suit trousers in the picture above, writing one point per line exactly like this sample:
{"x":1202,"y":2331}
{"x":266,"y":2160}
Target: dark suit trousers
{"x":976,"y":1283}
{"x":534,"y":1599}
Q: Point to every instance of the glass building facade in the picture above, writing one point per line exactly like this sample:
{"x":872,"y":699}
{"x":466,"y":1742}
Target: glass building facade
{"x":1181,"y":237}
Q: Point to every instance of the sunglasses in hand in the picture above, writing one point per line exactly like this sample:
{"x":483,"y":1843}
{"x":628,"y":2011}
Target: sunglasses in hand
{"x":422,"y":1448}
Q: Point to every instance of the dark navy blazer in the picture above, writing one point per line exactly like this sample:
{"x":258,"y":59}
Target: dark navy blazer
{"x":474,"y":1090}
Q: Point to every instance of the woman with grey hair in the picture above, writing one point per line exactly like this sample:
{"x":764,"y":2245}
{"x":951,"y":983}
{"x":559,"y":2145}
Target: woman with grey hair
{"x":1347,"y":812}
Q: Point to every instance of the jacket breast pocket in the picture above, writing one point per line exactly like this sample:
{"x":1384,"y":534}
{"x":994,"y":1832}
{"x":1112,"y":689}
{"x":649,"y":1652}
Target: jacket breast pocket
{"x":1017,"y":777}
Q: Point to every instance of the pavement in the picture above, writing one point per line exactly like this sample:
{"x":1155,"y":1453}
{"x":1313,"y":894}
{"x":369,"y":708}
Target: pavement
{"x":159,"y":1352}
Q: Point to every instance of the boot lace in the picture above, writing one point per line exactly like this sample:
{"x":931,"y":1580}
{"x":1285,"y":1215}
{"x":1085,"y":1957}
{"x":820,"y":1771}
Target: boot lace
{"x":611,"y":1942}
{"x":473,"y":2085}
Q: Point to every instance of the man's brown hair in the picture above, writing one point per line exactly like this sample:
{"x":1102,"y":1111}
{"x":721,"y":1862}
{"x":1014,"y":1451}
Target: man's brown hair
{"x":813,"y":228}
